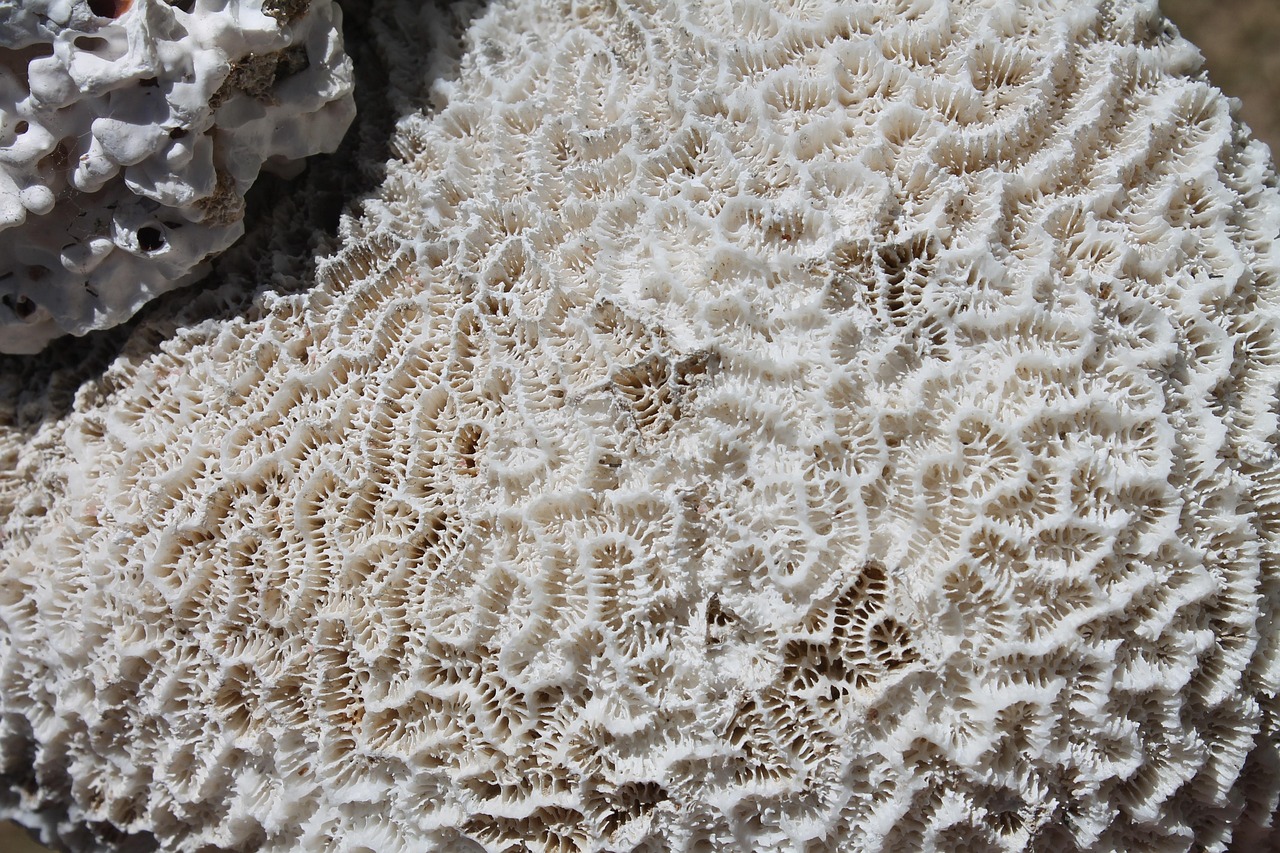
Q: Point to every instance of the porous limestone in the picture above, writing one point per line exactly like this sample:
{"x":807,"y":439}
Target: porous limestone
{"x":733,"y":426}
{"x":130,"y":131}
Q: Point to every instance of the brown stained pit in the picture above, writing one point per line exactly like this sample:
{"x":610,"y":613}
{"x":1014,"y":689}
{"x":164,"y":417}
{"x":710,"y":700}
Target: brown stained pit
{"x":224,"y":206}
{"x":286,"y":11}
{"x":109,"y":8}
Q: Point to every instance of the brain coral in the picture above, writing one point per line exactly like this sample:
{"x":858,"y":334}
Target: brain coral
{"x":130,"y":131}
{"x":732,"y":426}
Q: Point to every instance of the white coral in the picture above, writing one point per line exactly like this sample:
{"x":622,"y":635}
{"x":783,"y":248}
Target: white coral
{"x":735,"y":425}
{"x":129,"y":133}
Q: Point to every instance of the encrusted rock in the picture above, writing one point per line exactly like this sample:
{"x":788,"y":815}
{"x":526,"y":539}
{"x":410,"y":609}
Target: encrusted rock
{"x":129,"y":134}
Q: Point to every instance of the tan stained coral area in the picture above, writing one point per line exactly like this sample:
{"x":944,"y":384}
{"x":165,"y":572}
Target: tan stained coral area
{"x":732,"y":426}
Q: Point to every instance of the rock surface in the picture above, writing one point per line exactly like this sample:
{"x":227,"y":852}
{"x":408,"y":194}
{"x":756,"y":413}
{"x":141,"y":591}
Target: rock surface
{"x":130,"y":131}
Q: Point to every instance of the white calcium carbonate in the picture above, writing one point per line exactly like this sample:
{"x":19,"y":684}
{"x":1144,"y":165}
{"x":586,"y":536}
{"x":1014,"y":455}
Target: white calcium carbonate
{"x":732,"y":426}
{"x":130,"y":131}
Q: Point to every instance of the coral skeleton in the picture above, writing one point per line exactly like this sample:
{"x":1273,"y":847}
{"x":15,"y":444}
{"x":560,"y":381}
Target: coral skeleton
{"x":742,"y":425}
{"x":130,"y":131}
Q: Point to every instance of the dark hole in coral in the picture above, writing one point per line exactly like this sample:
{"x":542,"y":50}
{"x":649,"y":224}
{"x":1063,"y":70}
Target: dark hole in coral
{"x":109,"y":8}
{"x":178,"y":133}
{"x":91,"y":43}
{"x":1004,"y":810}
{"x":106,"y":833}
{"x":21,"y":127}
{"x":18,"y":60}
{"x":150,"y":239}
{"x":22,"y":307}
{"x":184,"y":5}
{"x":716,"y":614}
{"x":149,"y":82}
{"x":55,"y":159}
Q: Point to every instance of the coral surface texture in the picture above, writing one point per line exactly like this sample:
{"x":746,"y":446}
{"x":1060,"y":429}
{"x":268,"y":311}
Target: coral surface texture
{"x":730,"y":426}
{"x":129,"y":133}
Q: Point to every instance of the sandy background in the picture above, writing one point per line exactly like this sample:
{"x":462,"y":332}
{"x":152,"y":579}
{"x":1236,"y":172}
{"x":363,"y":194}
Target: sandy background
{"x":1241,"y":43}
{"x":1240,"y":40}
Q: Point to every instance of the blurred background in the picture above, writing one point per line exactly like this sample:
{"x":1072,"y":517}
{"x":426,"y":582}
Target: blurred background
{"x":1240,"y":40}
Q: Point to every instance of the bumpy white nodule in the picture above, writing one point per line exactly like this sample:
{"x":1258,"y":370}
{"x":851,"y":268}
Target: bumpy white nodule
{"x":130,"y":131}
{"x":733,"y":426}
